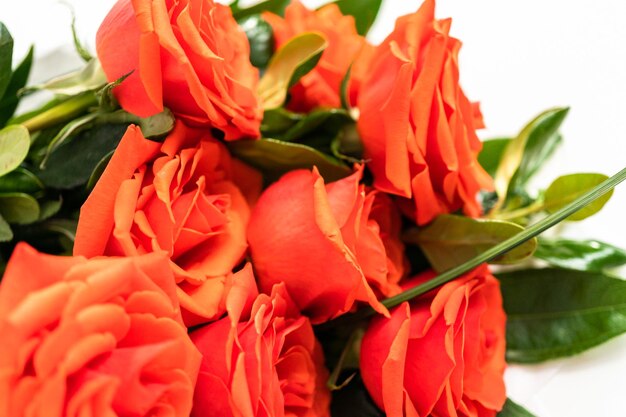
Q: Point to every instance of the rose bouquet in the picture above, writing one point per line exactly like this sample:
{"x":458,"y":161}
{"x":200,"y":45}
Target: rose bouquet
{"x":254,"y":211}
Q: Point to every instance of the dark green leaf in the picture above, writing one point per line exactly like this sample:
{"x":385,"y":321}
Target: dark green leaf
{"x":6,"y":58}
{"x":261,"y":39}
{"x":19,"y":208}
{"x":49,"y":208}
{"x":364,"y":12}
{"x":451,"y":240}
{"x":558,"y":312}
{"x":315,"y":119}
{"x":491,"y":154}
{"x":290,"y":63}
{"x":279,"y":120}
{"x":274,"y":6}
{"x":66,"y":228}
{"x":14,"y":145}
{"x":6,"y":234}
{"x":73,"y":162}
{"x":19,"y":78}
{"x":512,"y":409}
{"x":583,"y":255}
{"x":274,"y":158}
{"x":20,"y":180}
{"x":567,"y":188}
{"x":345,"y":89}
{"x":99,"y":170}
{"x":539,"y":149}
{"x":354,"y":400}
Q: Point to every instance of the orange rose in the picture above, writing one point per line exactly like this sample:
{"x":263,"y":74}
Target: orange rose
{"x":266,"y":362}
{"x":417,"y":126}
{"x":442,"y":354}
{"x":322,"y":86}
{"x":93,"y":338}
{"x":186,"y":197}
{"x":187,"y":55}
{"x":325,"y":243}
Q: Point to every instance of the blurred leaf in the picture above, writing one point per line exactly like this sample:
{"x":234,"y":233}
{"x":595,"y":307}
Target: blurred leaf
{"x":290,"y":63}
{"x":583,"y":255}
{"x":364,"y":12}
{"x":353,"y":400}
{"x":72,"y":163}
{"x":275,"y":158}
{"x":80,"y":49}
{"x":279,"y":120}
{"x":6,"y":58}
{"x":567,"y":188}
{"x":6,"y":234}
{"x":89,"y":78}
{"x":451,"y":240}
{"x":512,"y":409}
{"x":274,"y":6}
{"x":261,"y":39}
{"x":14,"y":145}
{"x":20,"y":180}
{"x":99,"y":170}
{"x":491,"y":154}
{"x":559,"y":312}
{"x":529,"y":142}
{"x":315,"y":119}
{"x":19,"y":78}
{"x":49,"y":208}
{"x":66,"y":228}
{"x":19,"y":208}
{"x":344,"y":89}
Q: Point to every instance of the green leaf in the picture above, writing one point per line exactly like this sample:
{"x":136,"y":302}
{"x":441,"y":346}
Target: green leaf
{"x":279,"y":120}
{"x":539,"y":149}
{"x":14,"y":145}
{"x":72,"y":163}
{"x":344,"y":89}
{"x":274,"y":6}
{"x":6,"y":58}
{"x":451,"y":240}
{"x":19,"y":78}
{"x":261,"y":39}
{"x":80,"y":48}
{"x":512,"y":409}
{"x":567,"y":188}
{"x":6,"y":234}
{"x":583,"y":255}
{"x":290,"y":63}
{"x":491,"y":154}
{"x":527,"y":144}
{"x":98,"y":171}
{"x":19,"y":208}
{"x":315,"y":119}
{"x":364,"y":12}
{"x":20,"y":180}
{"x":89,"y":78}
{"x":275,"y":157}
{"x":553,"y":313}
{"x":49,"y":208}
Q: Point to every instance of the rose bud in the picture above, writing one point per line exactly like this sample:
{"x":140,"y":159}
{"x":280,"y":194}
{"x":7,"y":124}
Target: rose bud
{"x":266,"y":362}
{"x":187,"y":55}
{"x":100,"y":337}
{"x":322,"y":86}
{"x":441,"y":354}
{"x":331,"y":245}
{"x":186,"y":197}
{"x":418,"y":127}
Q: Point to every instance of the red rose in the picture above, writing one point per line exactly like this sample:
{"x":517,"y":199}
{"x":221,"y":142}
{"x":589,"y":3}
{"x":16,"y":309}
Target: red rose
{"x":187,"y":197}
{"x":442,"y":354}
{"x":263,"y":362}
{"x":417,"y":126}
{"x":101,"y":337}
{"x":325,"y":243}
{"x":187,"y":55}
{"x":322,"y":86}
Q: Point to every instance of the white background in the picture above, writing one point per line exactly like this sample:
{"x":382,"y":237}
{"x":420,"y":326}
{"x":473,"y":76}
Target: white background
{"x":519,"y":58}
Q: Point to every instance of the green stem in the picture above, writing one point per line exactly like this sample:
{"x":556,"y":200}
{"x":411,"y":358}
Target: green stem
{"x":536,"y":207}
{"x":490,"y":254}
{"x":62,"y":112}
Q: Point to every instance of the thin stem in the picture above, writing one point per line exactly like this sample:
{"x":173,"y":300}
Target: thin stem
{"x":521,"y":212}
{"x":62,"y":112}
{"x":490,"y":254}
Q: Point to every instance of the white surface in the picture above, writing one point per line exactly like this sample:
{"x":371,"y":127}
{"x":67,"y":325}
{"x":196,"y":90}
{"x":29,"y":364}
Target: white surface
{"x":519,"y":58}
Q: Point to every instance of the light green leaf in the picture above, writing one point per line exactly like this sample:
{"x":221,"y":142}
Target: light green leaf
{"x":19,"y":208}
{"x":512,"y":409}
{"x":529,"y":142}
{"x":14,"y":145}
{"x":6,"y":234}
{"x":6,"y":58}
{"x":567,"y":188}
{"x":275,"y":157}
{"x":364,"y":12}
{"x":274,"y":6}
{"x":290,"y":63}
{"x":20,"y":180}
{"x":19,"y":78}
{"x":558,"y":312}
{"x":261,"y":39}
{"x":583,"y":255}
{"x":451,"y":240}
{"x":89,"y":78}
{"x":491,"y":154}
